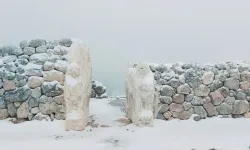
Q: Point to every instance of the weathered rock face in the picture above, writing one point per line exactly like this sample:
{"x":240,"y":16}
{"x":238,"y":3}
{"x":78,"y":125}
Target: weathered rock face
{"x":32,"y":76}
{"x":78,"y":84}
{"x":208,"y":90}
{"x":142,"y":97}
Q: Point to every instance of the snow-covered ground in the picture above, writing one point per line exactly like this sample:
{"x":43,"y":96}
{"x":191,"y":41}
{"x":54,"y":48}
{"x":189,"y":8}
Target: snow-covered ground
{"x":218,"y":133}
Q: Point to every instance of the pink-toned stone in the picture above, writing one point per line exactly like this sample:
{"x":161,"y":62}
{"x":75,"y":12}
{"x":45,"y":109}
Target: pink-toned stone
{"x":176,"y":107}
{"x":167,"y":115}
{"x":9,"y":85}
{"x":244,"y":85}
{"x":247,"y":115}
{"x":217,"y":97}
{"x":182,"y":115}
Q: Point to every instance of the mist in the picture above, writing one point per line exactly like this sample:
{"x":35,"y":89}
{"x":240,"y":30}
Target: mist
{"x":119,"y":32}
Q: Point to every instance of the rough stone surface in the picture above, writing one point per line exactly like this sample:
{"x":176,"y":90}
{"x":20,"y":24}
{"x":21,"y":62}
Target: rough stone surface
{"x":199,"y":110}
{"x":18,"y":95}
{"x":164,"y":108}
{"x":12,"y":110}
{"x":240,"y":107}
{"x":216,"y":97}
{"x":36,"y":93}
{"x":65,"y":42}
{"x":184,"y":89}
{"x":208,"y":78}
{"x":23,"y":111}
{"x":37,"y":42}
{"x":197,"y":101}
{"x":178,"y":98}
{"x":167,"y":115}
{"x":201,"y":90}
{"x":3,"y":114}
{"x":167,"y":90}
{"x":53,"y":75}
{"x":176,"y":107}
{"x":39,"y":58}
{"x":34,"y":82}
{"x":29,"y":51}
{"x":224,"y":109}
{"x":245,"y":85}
{"x":232,"y":84}
{"x":165,"y":99}
{"x":52,"y":88}
{"x":48,"y":66}
{"x":182,"y":115}
{"x":210,"y":109}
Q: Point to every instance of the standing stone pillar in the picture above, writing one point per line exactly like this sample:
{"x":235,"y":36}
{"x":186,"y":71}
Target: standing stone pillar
{"x":77,"y":87}
{"x":142,"y":99}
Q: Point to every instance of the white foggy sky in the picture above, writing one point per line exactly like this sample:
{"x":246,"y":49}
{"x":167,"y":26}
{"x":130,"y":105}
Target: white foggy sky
{"x":122,"y":31}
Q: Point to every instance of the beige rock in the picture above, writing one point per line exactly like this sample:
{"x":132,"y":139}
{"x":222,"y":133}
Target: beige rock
{"x":9,"y":85}
{"x":34,"y":82}
{"x":53,"y":75}
{"x":23,"y":111}
{"x":3,"y":114}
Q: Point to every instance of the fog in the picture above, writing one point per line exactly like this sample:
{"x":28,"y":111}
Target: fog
{"x":119,"y":32}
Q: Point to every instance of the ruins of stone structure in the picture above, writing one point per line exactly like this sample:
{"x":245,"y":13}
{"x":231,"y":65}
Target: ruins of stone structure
{"x":77,"y":87}
{"x":142,"y":99}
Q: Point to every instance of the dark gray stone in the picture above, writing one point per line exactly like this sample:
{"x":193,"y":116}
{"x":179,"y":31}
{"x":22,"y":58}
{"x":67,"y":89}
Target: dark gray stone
{"x":240,"y":95}
{"x":18,"y":95}
{"x":12,"y":110}
{"x":65,"y":42}
{"x":166,"y":90}
{"x":175,"y":83}
{"x":199,"y":110}
{"x":224,"y":91}
{"x":184,"y":89}
{"x":2,"y":103}
{"x":33,"y":102}
{"x":161,"y":68}
{"x":20,"y":83}
{"x":21,"y":61}
{"x":216,"y":85}
{"x":10,"y":67}
{"x":189,"y":98}
{"x":52,"y":88}
{"x":164,"y":108}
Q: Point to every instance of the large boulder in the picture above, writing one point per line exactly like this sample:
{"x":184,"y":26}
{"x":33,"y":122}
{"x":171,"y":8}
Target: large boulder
{"x":52,"y":89}
{"x":19,"y":95}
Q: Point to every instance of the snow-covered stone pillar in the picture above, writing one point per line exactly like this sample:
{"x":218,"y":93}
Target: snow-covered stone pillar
{"x":77,"y":87}
{"x":142,"y":99}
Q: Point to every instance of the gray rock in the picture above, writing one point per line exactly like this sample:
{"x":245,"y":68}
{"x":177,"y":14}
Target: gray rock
{"x":199,"y":110}
{"x":229,"y":100}
{"x":182,"y":78}
{"x":216,"y":85}
{"x":18,"y":95}
{"x":240,"y":95}
{"x":10,"y":67}
{"x":164,"y":108}
{"x":160,"y":116}
{"x":39,"y":58}
{"x":29,"y":51}
{"x":162,"y":82}
{"x":12,"y":110}
{"x":20,"y":70}
{"x":224,"y":91}
{"x":189,"y":98}
{"x":24,"y":44}
{"x":210,"y":109}
{"x":48,"y":66}
{"x":166,"y":90}
{"x":11,"y":50}
{"x":161,"y":68}
{"x":65,"y":42}
{"x":176,"y":107}
{"x":175,"y":83}
{"x":34,"y":82}
{"x":8,"y":75}
{"x":36,"y":93}
{"x":224,"y":109}
{"x":30,"y":116}
{"x":234,"y":73}
{"x":208,"y":78}
{"x":197,"y":101}
{"x":23,"y":57}
{"x":41,"y":117}
{"x":201,"y":90}
{"x":152,"y":68}
{"x":35,"y":110}
{"x":33,"y":102}
{"x":60,"y":116}
{"x":20,"y":83}
{"x":58,"y":99}
{"x":165,"y":99}
{"x":168,"y":74}
{"x":100,"y":89}
{"x":41,"y":49}
{"x":19,"y":76}
{"x":2,"y":103}
{"x":93,"y":94}
{"x":3,"y":114}
{"x":197,"y":118}
{"x":8,"y":59}
{"x":23,"y":111}
{"x":61,"y":66}
{"x":37,"y":42}
{"x":33,"y":70}
{"x":167,"y":115}
{"x":192,"y":78}
{"x":52,"y":44}
{"x":240,"y":107}
{"x":22,"y":61}
{"x":17,"y":104}
{"x":245,"y":85}
{"x":178,"y":98}
{"x":1,"y":92}
{"x":222,"y":66}
{"x":157,"y":76}
{"x":245,"y":76}
{"x":48,"y":108}
{"x":232,"y":84}
{"x":44,"y":99}
{"x":187,"y":105}
{"x":1,"y":83}
{"x":216,"y":97}
{"x":182,"y":115}
{"x":184,"y":89}
{"x":52,"y":88}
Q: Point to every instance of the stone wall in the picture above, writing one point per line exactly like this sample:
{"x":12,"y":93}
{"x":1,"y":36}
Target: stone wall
{"x":32,"y":78}
{"x":206,"y":90}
